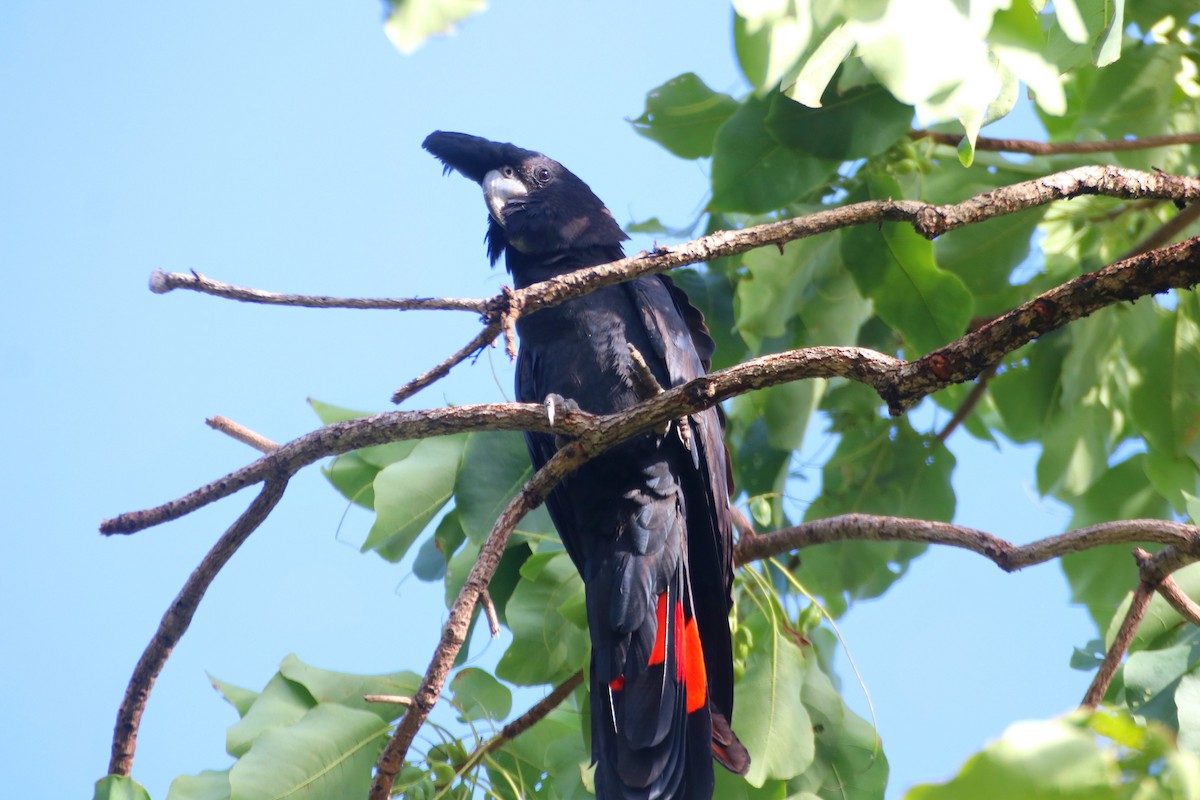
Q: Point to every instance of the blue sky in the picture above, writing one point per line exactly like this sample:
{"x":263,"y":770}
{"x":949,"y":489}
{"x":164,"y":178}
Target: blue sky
{"x":279,"y":147}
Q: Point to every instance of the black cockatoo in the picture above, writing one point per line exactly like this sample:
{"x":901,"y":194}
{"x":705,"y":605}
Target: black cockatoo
{"x":648,"y":522}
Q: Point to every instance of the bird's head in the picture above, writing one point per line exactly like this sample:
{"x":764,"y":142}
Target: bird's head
{"x":536,"y":205}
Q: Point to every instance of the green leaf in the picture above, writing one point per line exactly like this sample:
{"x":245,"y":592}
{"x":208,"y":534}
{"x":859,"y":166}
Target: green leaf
{"x":207,"y":785}
{"x":753,"y":172}
{"x":329,"y":414}
{"x":119,"y":787}
{"x":1151,"y":678}
{"x":477,"y":695}
{"x":236,"y":696}
{"x":849,"y":763}
{"x":1051,"y":760}
{"x":410,"y":22}
{"x":820,"y":67}
{"x":984,"y":256}
{"x":547,"y":647}
{"x":769,"y":41}
{"x":495,"y":465}
{"x":779,"y":733}
{"x":1163,"y":399}
{"x":281,"y":703}
{"x":354,"y":478}
{"x":546,"y":761}
{"x":1100,"y":577}
{"x":887,"y":469}
{"x":859,"y":123}
{"x":895,"y":268}
{"x":728,"y":786}
{"x":1110,"y":47}
{"x":1187,"y":710}
{"x":683,"y":116}
{"x":1025,"y":389}
{"x":1075,"y":451}
{"x":770,"y":294}
{"x":1018,"y":44}
{"x":410,"y":492}
{"x":329,"y":753}
{"x":348,"y":689}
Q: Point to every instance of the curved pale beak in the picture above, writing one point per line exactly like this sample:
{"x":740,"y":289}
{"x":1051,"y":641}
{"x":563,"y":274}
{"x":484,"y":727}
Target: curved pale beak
{"x":498,"y":189}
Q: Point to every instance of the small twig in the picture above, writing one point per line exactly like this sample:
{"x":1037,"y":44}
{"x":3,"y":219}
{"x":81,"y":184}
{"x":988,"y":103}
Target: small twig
{"x":744,"y":528}
{"x":1129,"y":625}
{"x":900,"y":384}
{"x":175,"y":623}
{"x":454,"y":632}
{"x":489,"y":611}
{"x":394,"y":699}
{"x":162,"y":282}
{"x":510,"y":306}
{"x":482,"y":340}
{"x":1167,"y":231}
{"x":1187,"y":608}
{"x":536,"y":712}
{"x":242,"y":434}
{"x":968,"y":404}
{"x":1034,"y":148}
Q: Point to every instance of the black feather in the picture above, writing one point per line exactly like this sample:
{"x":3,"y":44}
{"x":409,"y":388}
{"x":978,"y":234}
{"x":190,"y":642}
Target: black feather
{"x":648,"y":522}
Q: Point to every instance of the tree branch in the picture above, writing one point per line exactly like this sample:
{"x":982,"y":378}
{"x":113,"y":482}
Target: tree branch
{"x":1167,"y":231}
{"x":163,"y":282}
{"x":1034,"y":148}
{"x":1183,"y":540}
{"x":901,"y":384}
{"x":454,"y":632}
{"x":928,"y":220}
{"x":176,"y":621}
{"x":243,"y":434}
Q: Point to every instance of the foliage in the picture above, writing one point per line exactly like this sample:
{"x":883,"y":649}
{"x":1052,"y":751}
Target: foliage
{"x":1112,"y":400}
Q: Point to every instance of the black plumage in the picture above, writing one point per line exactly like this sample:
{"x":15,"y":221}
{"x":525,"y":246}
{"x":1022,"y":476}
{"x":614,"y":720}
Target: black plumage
{"x":647,"y":523}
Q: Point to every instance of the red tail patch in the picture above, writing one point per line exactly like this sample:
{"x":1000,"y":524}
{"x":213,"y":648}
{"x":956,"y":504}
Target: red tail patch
{"x":689,"y":655}
{"x":696,"y":679}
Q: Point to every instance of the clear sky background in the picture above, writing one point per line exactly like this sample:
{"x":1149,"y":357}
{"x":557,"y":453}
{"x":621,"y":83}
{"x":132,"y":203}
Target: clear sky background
{"x":278,"y":146}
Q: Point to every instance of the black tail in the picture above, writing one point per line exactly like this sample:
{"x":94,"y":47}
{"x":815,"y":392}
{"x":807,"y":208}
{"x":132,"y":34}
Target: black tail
{"x":654,"y":734}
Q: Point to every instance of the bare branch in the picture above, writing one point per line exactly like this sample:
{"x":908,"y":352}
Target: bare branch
{"x":1183,"y":540}
{"x":163,"y":282}
{"x":489,"y":611}
{"x":900,"y":384}
{"x":342,"y":437}
{"x":482,"y":340}
{"x":394,"y":699}
{"x":176,"y":621}
{"x":532,"y":494}
{"x":1034,"y":148}
{"x":243,"y":434}
{"x":536,"y":712}
{"x":928,"y":220}
{"x":1186,"y":606}
{"x":968,"y":404}
{"x":1112,"y":659}
{"x":1168,"y":230}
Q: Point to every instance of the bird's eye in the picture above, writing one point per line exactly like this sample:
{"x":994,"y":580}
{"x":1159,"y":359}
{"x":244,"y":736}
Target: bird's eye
{"x":507,"y":172}
{"x":542,"y":174}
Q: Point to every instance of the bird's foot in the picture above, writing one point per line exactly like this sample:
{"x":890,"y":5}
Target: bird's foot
{"x":558,"y":407}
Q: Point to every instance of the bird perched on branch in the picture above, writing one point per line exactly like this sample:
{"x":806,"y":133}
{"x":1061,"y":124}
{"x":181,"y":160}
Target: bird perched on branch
{"x":648,"y":522}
